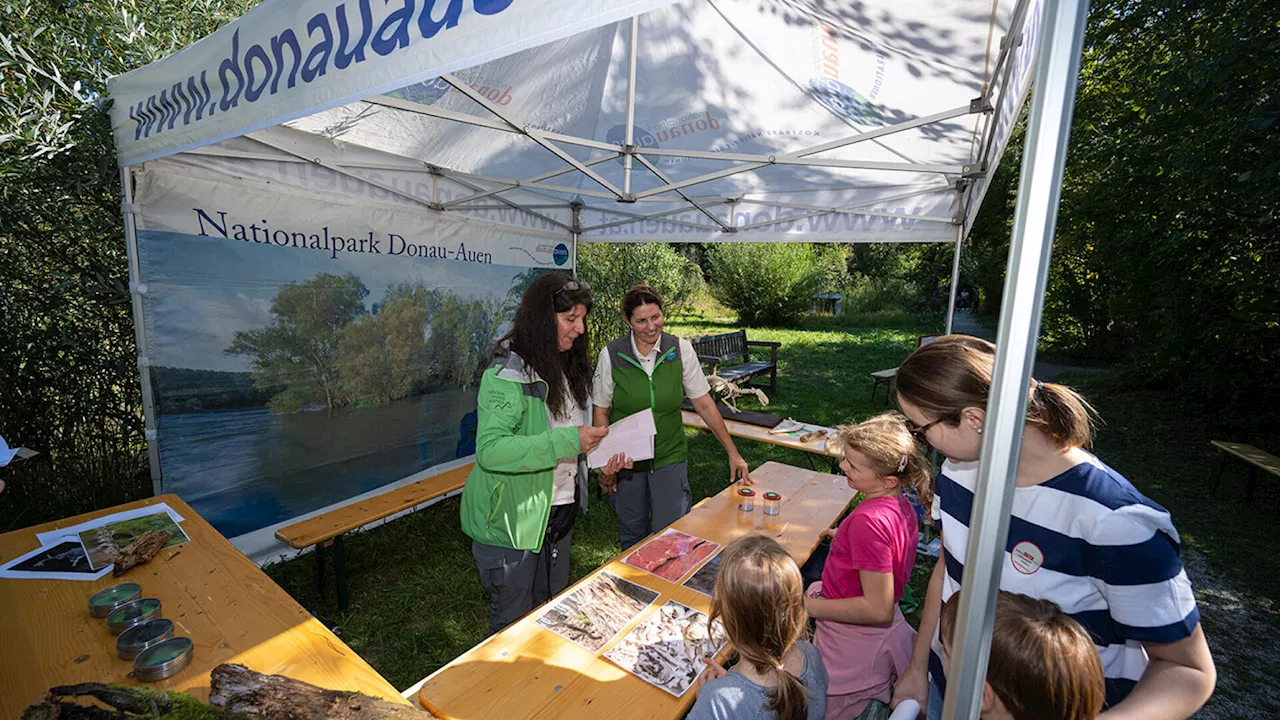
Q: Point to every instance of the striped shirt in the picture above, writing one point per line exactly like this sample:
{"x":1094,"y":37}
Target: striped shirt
{"x":1088,"y":541}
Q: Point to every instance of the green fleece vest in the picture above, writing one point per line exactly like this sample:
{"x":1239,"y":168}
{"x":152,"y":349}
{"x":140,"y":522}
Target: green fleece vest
{"x":634,"y":390}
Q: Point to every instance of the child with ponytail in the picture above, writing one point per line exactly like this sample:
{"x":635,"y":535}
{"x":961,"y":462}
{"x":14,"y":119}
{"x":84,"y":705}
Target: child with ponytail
{"x":1080,"y":535}
{"x":759,"y":597}
{"x":864,"y":640}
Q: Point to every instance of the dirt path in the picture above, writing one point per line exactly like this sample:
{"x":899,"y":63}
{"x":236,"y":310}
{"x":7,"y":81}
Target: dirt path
{"x":1245,"y":642}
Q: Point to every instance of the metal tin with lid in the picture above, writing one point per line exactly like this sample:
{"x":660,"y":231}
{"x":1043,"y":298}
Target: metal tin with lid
{"x":772,"y":503}
{"x":133,"y":641}
{"x":104,"y":601}
{"x":162,"y":660}
{"x":131,"y":613}
{"x":746,"y":499}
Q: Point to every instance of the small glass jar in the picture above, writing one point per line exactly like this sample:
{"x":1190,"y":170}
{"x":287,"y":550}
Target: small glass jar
{"x":772,"y":503}
{"x":746,"y":499}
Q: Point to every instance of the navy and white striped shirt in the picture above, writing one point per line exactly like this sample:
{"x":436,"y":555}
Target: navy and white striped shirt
{"x":1088,"y":541}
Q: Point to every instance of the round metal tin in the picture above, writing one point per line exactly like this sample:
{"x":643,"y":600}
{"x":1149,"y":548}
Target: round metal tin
{"x":142,"y":636}
{"x":131,"y":613}
{"x":164,"y":659}
{"x":104,"y":601}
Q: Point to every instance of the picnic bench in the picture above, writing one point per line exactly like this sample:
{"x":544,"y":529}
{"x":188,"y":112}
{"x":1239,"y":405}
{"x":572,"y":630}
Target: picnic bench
{"x":716,"y":350}
{"x":1255,"y":458}
{"x":885,"y":378}
{"x":326,"y":530}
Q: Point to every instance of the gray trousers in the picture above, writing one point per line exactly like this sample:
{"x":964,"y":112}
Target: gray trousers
{"x":519,"y":580}
{"x":649,"y":501}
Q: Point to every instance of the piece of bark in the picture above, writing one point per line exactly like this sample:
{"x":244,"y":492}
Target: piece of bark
{"x":140,"y":550}
{"x":237,"y":688}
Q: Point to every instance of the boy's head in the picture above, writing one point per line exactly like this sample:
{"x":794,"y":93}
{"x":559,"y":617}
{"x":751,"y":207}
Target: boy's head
{"x":1043,"y":666}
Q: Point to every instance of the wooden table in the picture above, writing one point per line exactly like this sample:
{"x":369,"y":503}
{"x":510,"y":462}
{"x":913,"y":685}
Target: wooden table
{"x":755,"y":432}
{"x":213,"y":594}
{"x":527,"y":671}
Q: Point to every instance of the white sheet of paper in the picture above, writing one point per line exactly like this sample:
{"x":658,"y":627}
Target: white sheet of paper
{"x":631,"y":436}
{"x":64,"y":566}
{"x":73,"y":532}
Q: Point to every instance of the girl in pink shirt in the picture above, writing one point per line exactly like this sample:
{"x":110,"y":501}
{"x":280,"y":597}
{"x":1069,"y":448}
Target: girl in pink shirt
{"x":864,"y":640}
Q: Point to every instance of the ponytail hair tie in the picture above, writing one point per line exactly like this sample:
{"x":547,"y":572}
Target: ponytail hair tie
{"x":1039,"y":386}
{"x":780,"y":668}
{"x":902,"y":463}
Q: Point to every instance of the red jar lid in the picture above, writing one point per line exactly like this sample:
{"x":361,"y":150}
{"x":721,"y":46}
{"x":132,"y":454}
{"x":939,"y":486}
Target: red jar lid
{"x":746,"y":492}
{"x":772,"y":496}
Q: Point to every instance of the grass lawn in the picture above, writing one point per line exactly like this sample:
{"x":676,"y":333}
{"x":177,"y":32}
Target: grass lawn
{"x":416,"y":601}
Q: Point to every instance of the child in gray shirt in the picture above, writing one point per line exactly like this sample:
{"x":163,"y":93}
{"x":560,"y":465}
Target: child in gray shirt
{"x":759,"y":596}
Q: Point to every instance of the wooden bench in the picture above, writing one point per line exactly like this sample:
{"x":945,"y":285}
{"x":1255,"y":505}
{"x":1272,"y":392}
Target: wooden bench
{"x":326,"y":530}
{"x":1257,"y":460}
{"x":715,"y":350}
{"x":884,"y":378}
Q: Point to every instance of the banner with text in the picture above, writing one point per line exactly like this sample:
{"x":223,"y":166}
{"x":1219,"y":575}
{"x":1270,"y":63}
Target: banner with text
{"x":305,"y":350}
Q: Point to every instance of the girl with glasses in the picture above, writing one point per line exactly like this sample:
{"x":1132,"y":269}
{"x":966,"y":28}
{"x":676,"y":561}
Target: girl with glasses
{"x":1080,"y":536}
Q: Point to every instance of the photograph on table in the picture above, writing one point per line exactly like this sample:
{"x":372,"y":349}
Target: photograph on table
{"x":102,"y":543}
{"x":671,"y":555}
{"x":704,"y":581}
{"x":593,"y":614}
{"x":63,"y":561}
{"x":666,"y":649}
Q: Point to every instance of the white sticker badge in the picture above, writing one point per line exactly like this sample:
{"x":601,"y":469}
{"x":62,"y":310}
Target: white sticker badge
{"x":1026,"y":557}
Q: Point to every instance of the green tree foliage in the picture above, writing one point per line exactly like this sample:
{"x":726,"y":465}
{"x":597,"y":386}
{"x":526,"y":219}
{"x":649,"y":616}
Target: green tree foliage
{"x":767,"y":283}
{"x":299,"y":349}
{"x":68,"y":357}
{"x":614,"y":268}
{"x":1167,"y":252}
{"x":462,"y":335}
{"x":383,"y":356}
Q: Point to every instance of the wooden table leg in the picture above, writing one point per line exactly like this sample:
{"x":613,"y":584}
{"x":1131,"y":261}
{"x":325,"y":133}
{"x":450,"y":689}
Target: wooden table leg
{"x":1222,"y":464}
{"x":321,"y":551}
{"x":340,"y":568}
{"x":1253,"y":481}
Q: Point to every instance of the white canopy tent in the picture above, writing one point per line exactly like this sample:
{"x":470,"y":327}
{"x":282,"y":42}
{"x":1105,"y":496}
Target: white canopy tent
{"x":626,"y":121}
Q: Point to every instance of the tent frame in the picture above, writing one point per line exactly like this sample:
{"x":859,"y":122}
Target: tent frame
{"x":1057,"y":69}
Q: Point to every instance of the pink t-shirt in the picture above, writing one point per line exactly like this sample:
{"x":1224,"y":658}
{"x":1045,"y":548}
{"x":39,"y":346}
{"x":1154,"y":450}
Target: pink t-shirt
{"x":878,"y":536}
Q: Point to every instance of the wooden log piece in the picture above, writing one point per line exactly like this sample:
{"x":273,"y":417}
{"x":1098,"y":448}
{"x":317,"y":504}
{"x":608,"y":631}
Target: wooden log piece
{"x":239,"y":689}
{"x":140,"y":550}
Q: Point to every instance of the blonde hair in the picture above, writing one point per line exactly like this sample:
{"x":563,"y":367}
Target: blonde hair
{"x":888,"y":444}
{"x":953,"y":372}
{"x":1044,"y":665}
{"x":759,"y":596}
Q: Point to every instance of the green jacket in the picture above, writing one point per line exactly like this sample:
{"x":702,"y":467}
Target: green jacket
{"x":507,"y":498}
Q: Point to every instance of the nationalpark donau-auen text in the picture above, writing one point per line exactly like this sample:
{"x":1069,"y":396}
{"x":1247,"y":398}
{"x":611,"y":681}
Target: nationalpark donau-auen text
{"x":217,"y":224}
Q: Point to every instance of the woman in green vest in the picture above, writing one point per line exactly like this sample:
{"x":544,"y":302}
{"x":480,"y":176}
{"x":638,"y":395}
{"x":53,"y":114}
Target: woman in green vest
{"x":651,"y":369}
{"x":520,"y":500}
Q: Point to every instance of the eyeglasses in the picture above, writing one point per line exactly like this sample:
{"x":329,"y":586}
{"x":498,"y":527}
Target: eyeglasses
{"x":573,"y":286}
{"x":918,"y":431}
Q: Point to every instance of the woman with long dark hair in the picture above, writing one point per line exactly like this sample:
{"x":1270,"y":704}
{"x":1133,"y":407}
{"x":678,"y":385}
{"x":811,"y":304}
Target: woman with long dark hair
{"x":520,"y":500}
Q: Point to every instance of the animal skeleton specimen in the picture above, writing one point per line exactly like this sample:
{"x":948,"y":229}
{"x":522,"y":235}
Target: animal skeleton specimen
{"x":729,"y":391}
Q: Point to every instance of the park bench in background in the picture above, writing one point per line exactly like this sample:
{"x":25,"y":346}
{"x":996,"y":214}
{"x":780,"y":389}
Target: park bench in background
{"x":717,"y":350}
{"x":885,"y":377}
{"x":325,"y":531}
{"x":1255,"y":458}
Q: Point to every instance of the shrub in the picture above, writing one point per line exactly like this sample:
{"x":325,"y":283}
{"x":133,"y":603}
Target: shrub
{"x":614,"y":268}
{"x":768,"y":283}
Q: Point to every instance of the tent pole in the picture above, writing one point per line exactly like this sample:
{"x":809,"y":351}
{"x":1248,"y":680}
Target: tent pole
{"x":1040,"y":191}
{"x":576,"y":222}
{"x":955,"y":279}
{"x":136,"y":291}
{"x":629,"y":150}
